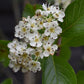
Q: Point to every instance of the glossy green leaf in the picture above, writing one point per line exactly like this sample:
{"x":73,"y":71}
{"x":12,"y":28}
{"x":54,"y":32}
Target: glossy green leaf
{"x":4,"y":52}
{"x":29,"y":10}
{"x":73,"y":26}
{"x":80,"y":77}
{"x":57,"y":71}
{"x":8,"y":81}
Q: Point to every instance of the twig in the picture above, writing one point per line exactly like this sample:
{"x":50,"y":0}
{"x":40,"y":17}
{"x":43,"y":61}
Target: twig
{"x":59,"y":43}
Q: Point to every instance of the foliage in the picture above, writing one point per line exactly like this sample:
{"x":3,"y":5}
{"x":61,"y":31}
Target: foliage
{"x":7,"y":81}
{"x":80,"y":77}
{"x":4,"y":52}
{"x":57,"y":71}
{"x":73,"y":26}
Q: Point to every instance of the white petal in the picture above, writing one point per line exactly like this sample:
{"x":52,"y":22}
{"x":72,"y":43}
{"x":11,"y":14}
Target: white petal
{"x":50,"y":41}
{"x":60,"y":19}
{"x":47,"y":33}
{"x":39,"y":44}
{"x":16,"y":68}
{"x":11,"y":65}
{"x":58,"y":30}
{"x":44,"y":6}
{"x":46,"y":53}
{"x":32,"y":43}
{"x":54,"y":47}
{"x":24,"y":70}
{"x":53,"y":35}
{"x":29,"y":50}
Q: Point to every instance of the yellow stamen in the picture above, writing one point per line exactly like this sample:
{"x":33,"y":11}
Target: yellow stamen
{"x":24,"y":29}
{"x":52,"y":30}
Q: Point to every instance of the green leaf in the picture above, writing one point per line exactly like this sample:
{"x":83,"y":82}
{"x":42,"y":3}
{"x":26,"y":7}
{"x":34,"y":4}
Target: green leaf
{"x":57,"y":71}
{"x":8,"y":81}
{"x":65,"y":52}
{"x":29,"y":10}
{"x":73,"y":26}
{"x":4,"y":52}
{"x":80,"y":77}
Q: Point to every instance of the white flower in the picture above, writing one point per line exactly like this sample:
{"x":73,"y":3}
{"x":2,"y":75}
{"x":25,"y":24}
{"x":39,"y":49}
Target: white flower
{"x":51,"y":30}
{"x":59,"y":15}
{"x":46,"y":11}
{"x":38,"y":53}
{"x":13,"y":57}
{"x":17,"y":47}
{"x":44,"y":39}
{"x":24,"y":59}
{"x":36,"y":41}
{"x":15,"y":66}
{"x":33,"y":24}
{"x":40,"y":23}
{"x":21,"y":30}
{"x":47,"y":8}
{"x":47,"y":40}
{"x":31,"y":35}
{"x":25,"y":69}
{"x":34,"y":66}
{"x":49,"y":50}
{"x":12,"y":45}
{"x":21,"y":47}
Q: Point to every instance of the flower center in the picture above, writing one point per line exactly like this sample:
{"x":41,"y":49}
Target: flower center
{"x":45,"y":38}
{"x":34,"y":64}
{"x":49,"y":19}
{"x":48,"y":9}
{"x":24,"y":55}
{"x":37,"y":53}
{"x":36,"y":40}
{"x":48,"y":49}
{"x":32,"y":25}
{"x":41,"y":22}
{"x":24,"y":29}
{"x":57,"y":15}
{"x":52,"y":30}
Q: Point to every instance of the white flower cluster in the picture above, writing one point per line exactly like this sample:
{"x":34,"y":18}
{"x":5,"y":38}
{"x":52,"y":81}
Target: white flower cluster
{"x":36,"y":39}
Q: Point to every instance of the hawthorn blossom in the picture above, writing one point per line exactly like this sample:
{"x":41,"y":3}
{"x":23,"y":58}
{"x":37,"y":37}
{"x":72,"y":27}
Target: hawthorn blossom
{"x":34,"y":66}
{"x":52,"y":30}
{"x":37,"y":39}
{"x":49,"y":49}
{"x":21,"y":30}
{"x":59,"y":15}
{"x":36,"y":42}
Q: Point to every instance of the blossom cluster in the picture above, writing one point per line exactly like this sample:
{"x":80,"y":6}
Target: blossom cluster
{"x":36,"y":36}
